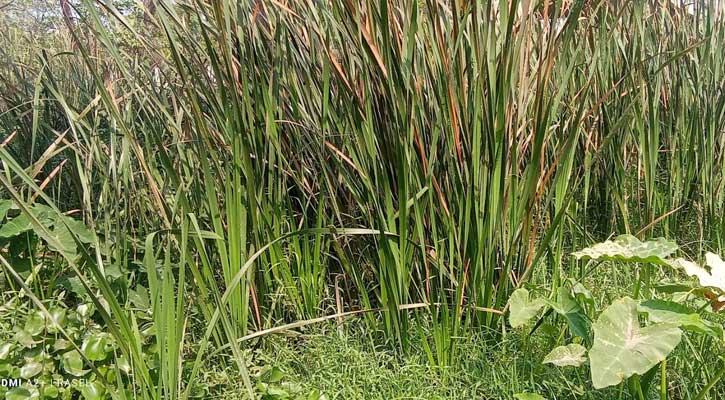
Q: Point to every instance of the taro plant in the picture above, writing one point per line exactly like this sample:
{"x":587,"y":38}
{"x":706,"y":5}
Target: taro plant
{"x":622,"y":348}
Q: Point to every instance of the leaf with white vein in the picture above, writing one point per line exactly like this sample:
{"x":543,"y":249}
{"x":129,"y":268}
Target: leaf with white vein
{"x":521,"y":308}
{"x":623,"y":348}
{"x":627,"y":248}
{"x":571,"y":355}
{"x":714,"y":278}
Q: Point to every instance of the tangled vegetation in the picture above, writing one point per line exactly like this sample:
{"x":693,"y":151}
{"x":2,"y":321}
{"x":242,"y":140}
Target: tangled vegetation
{"x":198,"y":195}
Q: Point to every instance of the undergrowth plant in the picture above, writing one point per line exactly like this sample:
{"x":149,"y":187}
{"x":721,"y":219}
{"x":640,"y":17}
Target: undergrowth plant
{"x":616,"y":345}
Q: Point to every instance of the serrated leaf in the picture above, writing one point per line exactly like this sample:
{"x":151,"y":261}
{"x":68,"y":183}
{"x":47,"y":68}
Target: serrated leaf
{"x":571,"y":355}
{"x":627,"y":248}
{"x":521,"y":308}
{"x":623,"y":348}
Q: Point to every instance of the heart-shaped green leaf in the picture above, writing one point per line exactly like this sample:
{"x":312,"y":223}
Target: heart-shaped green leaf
{"x":30,"y":369}
{"x":21,"y":393}
{"x":5,"y":349}
{"x":95,"y":347}
{"x":627,"y":248}
{"x":571,"y":355}
{"x":623,"y":348}
{"x":35,"y":324}
{"x":93,"y":391}
{"x":521,"y":308}
{"x":24,"y":338}
{"x":73,"y":363}
{"x":57,"y":319}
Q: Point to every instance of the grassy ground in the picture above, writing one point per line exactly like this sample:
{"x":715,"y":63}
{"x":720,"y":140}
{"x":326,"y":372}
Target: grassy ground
{"x":350,"y":367}
{"x":349,"y":362}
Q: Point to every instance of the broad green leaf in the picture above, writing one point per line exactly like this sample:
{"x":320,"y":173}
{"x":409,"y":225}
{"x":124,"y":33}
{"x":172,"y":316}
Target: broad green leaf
{"x":114,"y":271}
{"x":21,"y":393}
{"x":64,"y":238}
{"x":95,"y":347}
{"x":123,"y":365}
{"x":271,"y":375}
{"x":73,"y":284}
{"x":627,"y":248}
{"x":77,"y":227}
{"x":528,"y":396}
{"x":50,"y":391}
{"x":85,"y":310}
{"x":571,"y":355}
{"x":669,"y":312}
{"x":61,"y":344}
{"x":30,"y":369}
{"x":73,"y":363}
{"x":35,"y":323}
{"x":623,"y":348}
{"x":582,"y":294}
{"x":22,"y":222}
{"x":139,"y":298}
{"x":93,"y":390}
{"x":16,"y":226}
{"x":5,"y":349}
{"x":521,"y":308}
{"x":714,"y":278}
{"x":5,"y":206}
{"x":57,"y":319}
{"x":24,"y":338}
{"x":567,"y":306}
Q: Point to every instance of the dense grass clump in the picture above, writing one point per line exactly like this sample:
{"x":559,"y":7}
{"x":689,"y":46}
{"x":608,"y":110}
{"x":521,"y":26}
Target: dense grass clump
{"x":204,"y":174}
